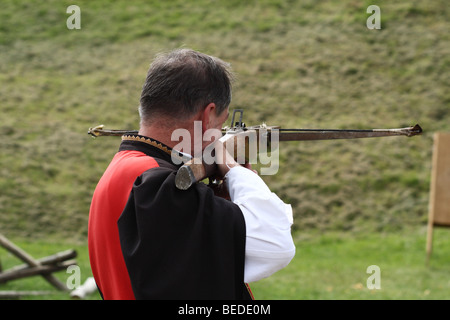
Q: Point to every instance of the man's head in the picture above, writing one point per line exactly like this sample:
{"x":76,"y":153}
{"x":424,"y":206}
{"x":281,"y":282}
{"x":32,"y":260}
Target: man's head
{"x":182,"y":83}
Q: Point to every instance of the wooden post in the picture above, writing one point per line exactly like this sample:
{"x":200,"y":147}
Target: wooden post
{"x":18,"y":252}
{"x":439,"y":206}
{"x":21,"y":272}
{"x":18,"y":294}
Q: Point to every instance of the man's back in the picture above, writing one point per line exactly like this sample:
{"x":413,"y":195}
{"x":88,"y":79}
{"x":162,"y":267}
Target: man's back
{"x":173,"y":244}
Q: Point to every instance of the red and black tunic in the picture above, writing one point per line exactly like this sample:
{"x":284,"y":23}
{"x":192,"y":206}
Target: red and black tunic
{"x":149,"y":240}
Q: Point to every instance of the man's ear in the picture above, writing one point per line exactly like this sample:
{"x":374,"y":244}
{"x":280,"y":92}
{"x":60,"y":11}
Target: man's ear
{"x":208,"y":115}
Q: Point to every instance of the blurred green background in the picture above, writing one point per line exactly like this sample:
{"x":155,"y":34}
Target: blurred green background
{"x":304,"y":64}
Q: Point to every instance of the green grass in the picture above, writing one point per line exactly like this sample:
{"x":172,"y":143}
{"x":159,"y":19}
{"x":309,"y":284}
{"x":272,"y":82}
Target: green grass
{"x":307,"y":64}
{"x":326,"y":267}
{"x":333,"y":267}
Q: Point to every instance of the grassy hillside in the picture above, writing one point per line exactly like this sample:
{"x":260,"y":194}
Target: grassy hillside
{"x":303,"y":64}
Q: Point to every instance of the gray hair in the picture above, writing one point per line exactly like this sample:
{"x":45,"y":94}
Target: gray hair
{"x":183,"y":82}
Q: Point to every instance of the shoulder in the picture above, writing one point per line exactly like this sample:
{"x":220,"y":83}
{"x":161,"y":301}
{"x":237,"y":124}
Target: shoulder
{"x":157,"y":186}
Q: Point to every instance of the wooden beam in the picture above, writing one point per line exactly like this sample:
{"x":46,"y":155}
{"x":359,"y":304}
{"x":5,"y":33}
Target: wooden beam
{"x":23,"y":272}
{"x":17,"y":294}
{"x":21,"y":254}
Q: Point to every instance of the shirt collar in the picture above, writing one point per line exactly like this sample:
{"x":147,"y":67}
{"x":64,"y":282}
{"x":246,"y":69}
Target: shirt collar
{"x":153,"y":148}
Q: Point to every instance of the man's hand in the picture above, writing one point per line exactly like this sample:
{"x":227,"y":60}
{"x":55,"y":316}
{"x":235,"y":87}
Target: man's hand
{"x":224,"y":159}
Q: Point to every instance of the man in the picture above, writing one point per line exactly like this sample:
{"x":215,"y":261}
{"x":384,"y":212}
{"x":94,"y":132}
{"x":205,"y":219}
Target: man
{"x":149,"y":240}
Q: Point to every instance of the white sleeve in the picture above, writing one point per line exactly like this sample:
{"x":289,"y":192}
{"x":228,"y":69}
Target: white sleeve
{"x":269,"y":246}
